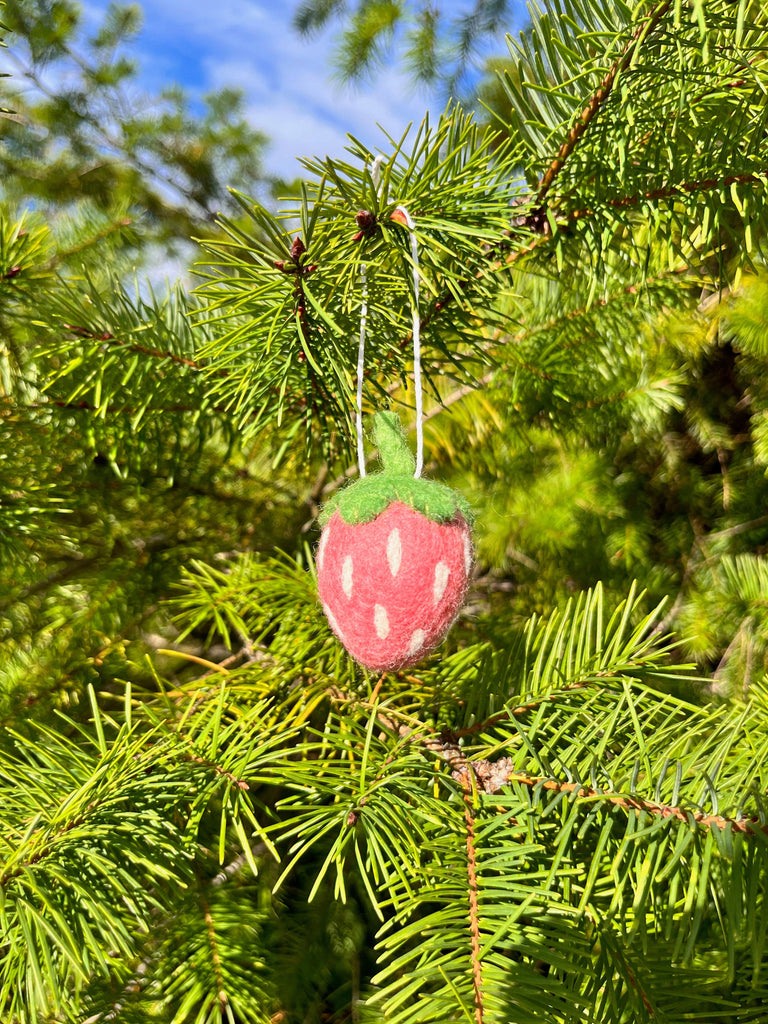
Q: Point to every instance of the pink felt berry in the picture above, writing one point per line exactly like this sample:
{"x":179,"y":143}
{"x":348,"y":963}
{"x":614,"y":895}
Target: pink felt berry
{"x":394,"y":560}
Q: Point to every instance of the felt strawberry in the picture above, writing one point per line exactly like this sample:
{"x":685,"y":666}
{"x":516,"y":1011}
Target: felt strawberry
{"x":394,"y":559}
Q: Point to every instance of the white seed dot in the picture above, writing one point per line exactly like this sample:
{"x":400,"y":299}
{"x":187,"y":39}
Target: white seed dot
{"x":442,"y":572}
{"x":332,"y":621}
{"x":467,"y":554}
{"x":394,"y":551}
{"x":346,"y":576}
{"x":417,"y":642}
{"x":321,"y":548}
{"x":381,"y":621}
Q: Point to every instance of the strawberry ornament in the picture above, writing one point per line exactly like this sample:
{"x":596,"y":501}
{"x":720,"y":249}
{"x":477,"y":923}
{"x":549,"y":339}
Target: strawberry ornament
{"x":394,"y":559}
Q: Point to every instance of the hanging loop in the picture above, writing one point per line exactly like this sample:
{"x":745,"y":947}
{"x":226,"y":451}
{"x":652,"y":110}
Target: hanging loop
{"x":416,"y":333}
{"x":360,"y":372}
{"x":416,"y":343}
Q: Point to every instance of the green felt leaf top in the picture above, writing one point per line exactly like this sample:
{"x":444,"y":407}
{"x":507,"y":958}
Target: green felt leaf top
{"x":367,"y":498}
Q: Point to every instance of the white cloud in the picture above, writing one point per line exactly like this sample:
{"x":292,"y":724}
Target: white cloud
{"x":226,"y":20}
{"x":286,"y":79}
{"x":305,"y":117}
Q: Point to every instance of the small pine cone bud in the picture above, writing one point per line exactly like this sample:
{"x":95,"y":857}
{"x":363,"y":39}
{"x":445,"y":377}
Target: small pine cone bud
{"x":367,"y":222}
{"x":297,"y":249}
{"x":534,"y":220}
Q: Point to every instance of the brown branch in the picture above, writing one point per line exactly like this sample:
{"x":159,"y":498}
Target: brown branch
{"x":618,"y":956}
{"x":575,"y":314}
{"x":231,"y":869}
{"x":666,"y":192}
{"x":75,"y":565}
{"x":670,"y":191}
{"x":83,"y":406}
{"x":130,"y":346}
{"x":298,"y":267}
{"x":699,"y":551}
{"x":196,"y":759}
{"x":493,"y":775}
{"x":520,"y":709}
{"x":474,"y":909}
{"x":598,"y":99}
{"x":731,"y":531}
{"x":452,"y":736}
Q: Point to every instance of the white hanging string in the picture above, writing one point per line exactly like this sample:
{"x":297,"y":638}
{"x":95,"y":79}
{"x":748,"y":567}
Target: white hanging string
{"x":416,"y":355}
{"x":416,"y":345}
{"x":360,"y":370}
{"x":375,"y":177}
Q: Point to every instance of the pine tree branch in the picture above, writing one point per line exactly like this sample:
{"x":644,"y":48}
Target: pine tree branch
{"x":731,"y":531}
{"x":601,"y":303}
{"x":74,"y":566}
{"x":215,"y":955}
{"x":617,"y":396}
{"x":697,"y":552}
{"x":47,"y":848}
{"x":739,"y":636}
{"x":620,"y":959}
{"x":236,"y":865}
{"x":132,"y":346}
{"x":493,"y":775}
{"x":113,"y":142}
{"x":474,"y":909}
{"x":545,"y":237}
{"x":195,"y":758}
{"x":599,"y":98}
{"x":110,"y":229}
{"x":129,"y":410}
{"x":671,"y":191}
{"x":504,"y":716}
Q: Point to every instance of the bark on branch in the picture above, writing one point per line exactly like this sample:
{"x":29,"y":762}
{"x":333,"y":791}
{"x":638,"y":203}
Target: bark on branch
{"x":599,"y":97}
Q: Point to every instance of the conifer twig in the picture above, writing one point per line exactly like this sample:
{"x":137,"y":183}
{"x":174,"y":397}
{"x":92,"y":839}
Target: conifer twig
{"x":492,"y":775}
{"x":474,"y":909}
{"x":110,"y":229}
{"x":130,"y":346}
{"x":196,"y":759}
{"x":47,"y":847}
{"x":671,"y":191}
{"x":112,"y":141}
{"x":598,"y":99}
{"x":215,"y":954}
{"x":520,"y":709}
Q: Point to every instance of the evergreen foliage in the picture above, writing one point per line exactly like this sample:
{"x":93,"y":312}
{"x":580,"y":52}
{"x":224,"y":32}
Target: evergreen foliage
{"x":209,"y":812}
{"x":79,"y":128}
{"x":436,"y":47}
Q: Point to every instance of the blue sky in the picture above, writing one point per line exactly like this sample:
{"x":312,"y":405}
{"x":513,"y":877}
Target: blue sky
{"x":287,"y":81}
